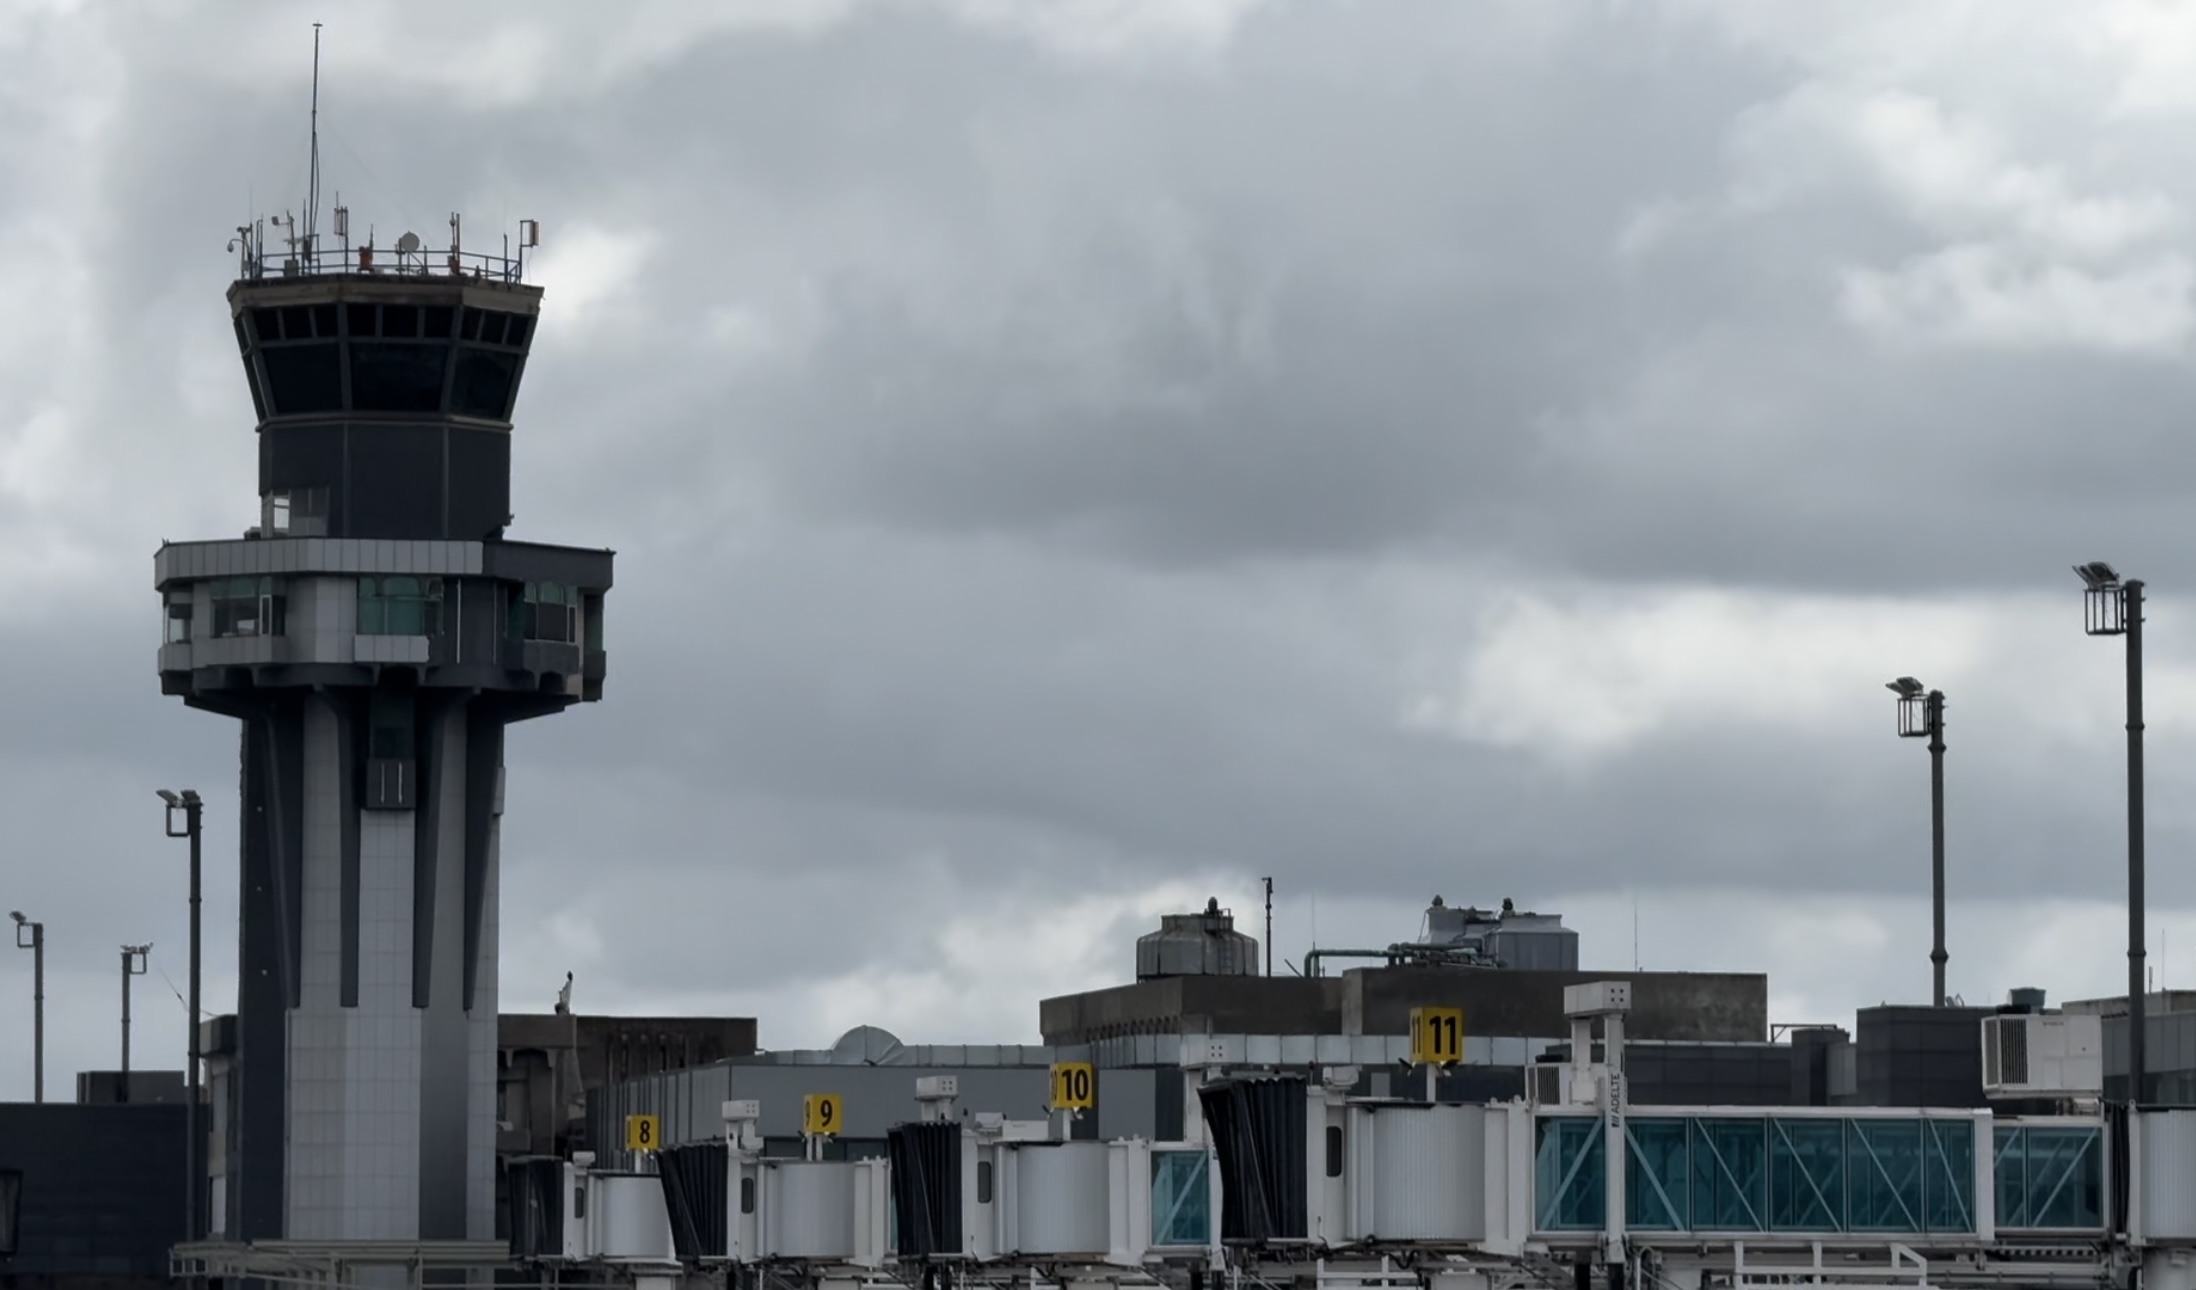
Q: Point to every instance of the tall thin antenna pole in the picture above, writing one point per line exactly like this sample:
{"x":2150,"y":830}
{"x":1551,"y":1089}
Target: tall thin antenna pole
{"x":1269,"y":925}
{"x":312,"y":187}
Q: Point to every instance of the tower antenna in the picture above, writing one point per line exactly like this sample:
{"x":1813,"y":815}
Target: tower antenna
{"x":312,"y":185}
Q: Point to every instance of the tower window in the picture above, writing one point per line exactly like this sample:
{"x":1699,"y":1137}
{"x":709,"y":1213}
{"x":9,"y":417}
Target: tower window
{"x":246,"y":607}
{"x":483,"y":384}
{"x":391,"y":733}
{"x":387,"y":377}
{"x":178,"y":623}
{"x":304,"y":378}
{"x":298,"y":512}
{"x":546,"y":611}
{"x":400,"y":605}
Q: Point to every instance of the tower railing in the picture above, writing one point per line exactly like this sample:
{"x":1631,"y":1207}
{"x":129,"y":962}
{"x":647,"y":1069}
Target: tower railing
{"x":310,"y":256}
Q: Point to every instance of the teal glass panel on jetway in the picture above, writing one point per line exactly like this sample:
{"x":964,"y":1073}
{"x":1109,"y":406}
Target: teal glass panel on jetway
{"x":1948,"y":1175}
{"x":2050,"y":1177}
{"x":1570,"y":1189}
{"x":1181,"y":1198}
{"x":1654,"y":1179}
{"x":1806,"y":1175}
{"x":1884,"y":1175}
{"x":1730,"y":1175}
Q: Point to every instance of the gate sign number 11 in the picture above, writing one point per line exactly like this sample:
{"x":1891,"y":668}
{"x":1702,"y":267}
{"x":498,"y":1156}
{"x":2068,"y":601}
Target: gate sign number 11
{"x":1074,"y":1086}
{"x":822,"y":1114}
{"x":1437,"y":1036}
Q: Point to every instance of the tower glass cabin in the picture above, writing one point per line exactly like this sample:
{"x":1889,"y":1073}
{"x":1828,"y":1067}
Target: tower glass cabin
{"x":374,"y":635}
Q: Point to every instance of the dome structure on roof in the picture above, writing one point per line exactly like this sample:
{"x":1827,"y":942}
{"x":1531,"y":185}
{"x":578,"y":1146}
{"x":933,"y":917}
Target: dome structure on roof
{"x":867,"y":1046}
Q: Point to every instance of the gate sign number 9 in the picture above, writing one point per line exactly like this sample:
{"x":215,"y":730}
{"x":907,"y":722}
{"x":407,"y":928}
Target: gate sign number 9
{"x":643,"y":1133}
{"x":1074,"y":1086}
{"x":1437,"y":1036}
{"x":821,"y":1115}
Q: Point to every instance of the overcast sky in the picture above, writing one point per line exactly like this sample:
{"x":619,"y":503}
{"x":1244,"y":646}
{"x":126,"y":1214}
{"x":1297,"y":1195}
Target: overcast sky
{"x":1068,"y":458}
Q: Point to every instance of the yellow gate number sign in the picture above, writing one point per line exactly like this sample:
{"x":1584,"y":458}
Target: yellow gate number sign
{"x":1074,"y":1086}
{"x":643,"y":1132}
{"x":821,"y":1115}
{"x":1437,"y":1036}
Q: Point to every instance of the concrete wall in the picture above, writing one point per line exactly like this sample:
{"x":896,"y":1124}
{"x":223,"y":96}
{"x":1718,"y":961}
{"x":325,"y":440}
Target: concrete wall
{"x":1257,"y":1005}
{"x":1729,"y":1007}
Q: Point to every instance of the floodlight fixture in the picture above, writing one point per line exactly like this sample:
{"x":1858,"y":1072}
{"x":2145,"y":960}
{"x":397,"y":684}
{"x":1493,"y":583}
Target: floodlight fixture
{"x":2097,"y":574}
{"x":17,"y":915}
{"x":169,"y":797}
{"x":1906,"y":687}
{"x":2107,"y":603}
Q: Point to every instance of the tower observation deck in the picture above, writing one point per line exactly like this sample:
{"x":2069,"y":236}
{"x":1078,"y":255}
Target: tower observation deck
{"x":374,"y":634}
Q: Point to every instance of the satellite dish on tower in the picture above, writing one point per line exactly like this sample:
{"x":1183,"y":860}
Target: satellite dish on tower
{"x":407,"y":244}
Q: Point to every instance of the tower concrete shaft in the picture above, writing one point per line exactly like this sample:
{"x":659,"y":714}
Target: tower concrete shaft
{"x":374,"y":635}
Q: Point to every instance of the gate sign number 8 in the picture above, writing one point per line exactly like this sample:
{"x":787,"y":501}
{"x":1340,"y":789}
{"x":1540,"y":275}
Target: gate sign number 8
{"x":1074,"y":1087}
{"x":1437,"y":1036}
{"x":821,"y":1115}
{"x":643,"y":1133}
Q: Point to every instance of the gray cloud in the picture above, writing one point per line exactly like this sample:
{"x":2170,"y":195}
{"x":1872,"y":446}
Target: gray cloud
{"x":1049,"y":472}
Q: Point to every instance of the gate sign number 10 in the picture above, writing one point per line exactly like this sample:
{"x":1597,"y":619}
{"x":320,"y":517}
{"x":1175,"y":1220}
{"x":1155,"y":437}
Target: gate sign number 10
{"x":1437,"y":1036}
{"x":822,"y":1114}
{"x":1074,"y":1086}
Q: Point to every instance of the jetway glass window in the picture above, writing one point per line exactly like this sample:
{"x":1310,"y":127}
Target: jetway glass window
{"x":1884,"y":1184}
{"x":2050,"y":1177}
{"x":1806,"y":1175}
{"x":1181,"y":1198}
{"x":1811,"y":1174}
{"x":1948,"y":1175}
{"x":1654,"y":1180}
{"x":1730,"y":1175}
{"x":1569,"y":1185}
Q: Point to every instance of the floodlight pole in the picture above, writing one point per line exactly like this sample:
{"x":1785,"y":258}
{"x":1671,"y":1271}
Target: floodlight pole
{"x":2132,"y":614}
{"x":32,"y":936}
{"x":1934,"y":711}
{"x":133,"y":964}
{"x":191,"y":807}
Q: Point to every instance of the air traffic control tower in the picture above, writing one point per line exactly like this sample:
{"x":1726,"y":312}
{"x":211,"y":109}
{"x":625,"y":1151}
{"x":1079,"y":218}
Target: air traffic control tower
{"x":374,"y":634}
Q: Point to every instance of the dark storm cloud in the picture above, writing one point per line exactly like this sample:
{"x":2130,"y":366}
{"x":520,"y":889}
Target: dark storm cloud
{"x":1046,"y":476}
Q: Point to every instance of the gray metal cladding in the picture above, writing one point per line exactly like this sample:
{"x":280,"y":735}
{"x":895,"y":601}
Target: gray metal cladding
{"x":808,"y":1209}
{"x":2168,"y":1201}
{"x":1417,"y":1173}
{"x":1060,"y":1198}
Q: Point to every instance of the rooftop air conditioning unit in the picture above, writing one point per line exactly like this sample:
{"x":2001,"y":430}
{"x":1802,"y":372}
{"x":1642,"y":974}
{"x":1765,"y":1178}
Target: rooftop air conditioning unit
{"x":1548,"y":1084}
{"x":2043,"y":1055}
